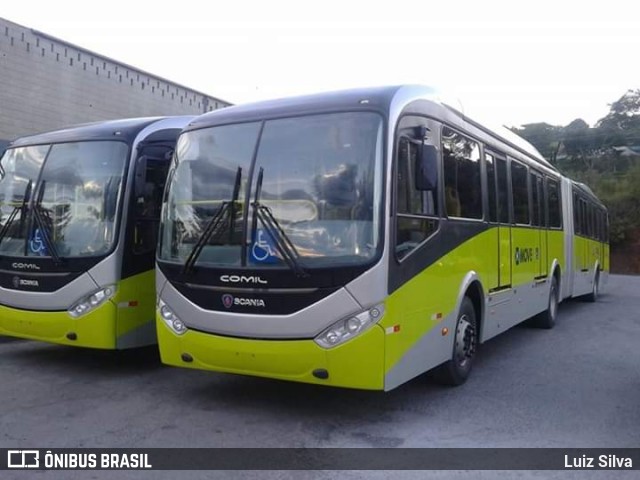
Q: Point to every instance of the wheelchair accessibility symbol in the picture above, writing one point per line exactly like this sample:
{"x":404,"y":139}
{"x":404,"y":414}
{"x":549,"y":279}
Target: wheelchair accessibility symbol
{"x":36,"y":244}
{"x":263,"y":249}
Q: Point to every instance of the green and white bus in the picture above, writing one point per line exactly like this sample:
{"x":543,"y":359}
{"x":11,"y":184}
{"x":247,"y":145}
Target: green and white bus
{"x":80,"y":209}
{"x":361,"y":238}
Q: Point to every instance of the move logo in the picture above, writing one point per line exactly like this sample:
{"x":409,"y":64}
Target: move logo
{"x":526,"y":255}
{"x":229,"y":300}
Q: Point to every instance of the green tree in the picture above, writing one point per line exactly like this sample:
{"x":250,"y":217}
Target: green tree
{"x":594,"y":155}
{"x":545,"y":137}
{"x":621,"y":126}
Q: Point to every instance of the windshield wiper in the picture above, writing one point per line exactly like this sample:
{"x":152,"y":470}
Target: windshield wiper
{"x":45,"y":224}
{"x":21,"y":208}
{"x":283,"y":243}
{"x":215,"y":227}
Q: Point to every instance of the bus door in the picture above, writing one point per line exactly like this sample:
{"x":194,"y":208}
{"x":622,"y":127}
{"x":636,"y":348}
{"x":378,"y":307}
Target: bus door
{"x":504,"y":226}
{"x":539,"y":222}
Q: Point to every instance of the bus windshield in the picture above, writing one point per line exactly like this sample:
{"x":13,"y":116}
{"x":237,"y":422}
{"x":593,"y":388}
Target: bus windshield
{"x":61,"y":197}
{"x":320,"y":188}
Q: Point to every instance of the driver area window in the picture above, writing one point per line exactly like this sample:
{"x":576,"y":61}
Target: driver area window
{"x":416,"y":211}
{"x":151,"y":176}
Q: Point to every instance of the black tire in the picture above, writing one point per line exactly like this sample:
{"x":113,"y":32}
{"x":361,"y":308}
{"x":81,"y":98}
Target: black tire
{"x":547,"y":319}
{"x":456,"y":371}
{"x":595,"y":291}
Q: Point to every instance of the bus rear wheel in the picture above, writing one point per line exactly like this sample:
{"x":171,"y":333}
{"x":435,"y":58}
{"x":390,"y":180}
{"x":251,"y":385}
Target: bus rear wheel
{"x":456,"y":371}
{"x":547,"y":319}
{"x":595,"y":291}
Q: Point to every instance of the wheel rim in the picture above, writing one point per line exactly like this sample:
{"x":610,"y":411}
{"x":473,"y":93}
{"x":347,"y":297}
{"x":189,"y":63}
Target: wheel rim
{"x":596,"y":286}
{"x":553,"y":301}
{"x":465,"y":341}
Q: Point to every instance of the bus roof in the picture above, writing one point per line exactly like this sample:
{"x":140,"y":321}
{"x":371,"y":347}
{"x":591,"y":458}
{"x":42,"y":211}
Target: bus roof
{"x":588,"y":192}
{"x":124,"y":129}
{"x":377,"y":98}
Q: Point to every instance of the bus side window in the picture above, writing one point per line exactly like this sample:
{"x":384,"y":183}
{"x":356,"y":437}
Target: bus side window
{"x":489,"y":161}
{"x":576,"y":214}
{"x":536,"y":218}
{"x":520,"y":185}
{"x":148,"y":203}
{"x":584,"y":228}
{"x":413,"y":206}
{"x":555,"y":211}
{"x":503,"y":190}
{"x":462,"y":186}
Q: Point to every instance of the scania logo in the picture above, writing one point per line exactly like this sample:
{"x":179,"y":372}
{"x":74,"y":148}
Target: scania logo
{"x":242,"y":279}
{"x":25,"y":266}
{"x":229,"y":300}
{"x":24,"y":282}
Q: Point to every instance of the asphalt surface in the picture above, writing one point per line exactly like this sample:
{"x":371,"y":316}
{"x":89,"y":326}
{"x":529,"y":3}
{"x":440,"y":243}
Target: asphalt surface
{"x":577,"y":385}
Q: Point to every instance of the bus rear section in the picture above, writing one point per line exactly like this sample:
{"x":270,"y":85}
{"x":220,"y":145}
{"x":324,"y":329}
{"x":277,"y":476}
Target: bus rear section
{"x":77,"y":239}
{"x":588,"y":242}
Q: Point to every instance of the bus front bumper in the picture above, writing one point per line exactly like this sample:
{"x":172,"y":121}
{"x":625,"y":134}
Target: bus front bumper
{"x":358,"y":363}
{"x":96,"y":329}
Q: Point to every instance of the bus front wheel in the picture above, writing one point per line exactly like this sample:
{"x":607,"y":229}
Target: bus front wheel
{"x":456,"y":370}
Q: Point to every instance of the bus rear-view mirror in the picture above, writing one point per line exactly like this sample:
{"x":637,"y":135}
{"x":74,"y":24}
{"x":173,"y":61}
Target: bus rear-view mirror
{"x":426,"y":171}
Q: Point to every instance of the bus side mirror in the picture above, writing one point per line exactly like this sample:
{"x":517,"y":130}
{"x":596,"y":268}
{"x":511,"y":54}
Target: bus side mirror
{"x":426,"y":171}
{"x":140,"y":175}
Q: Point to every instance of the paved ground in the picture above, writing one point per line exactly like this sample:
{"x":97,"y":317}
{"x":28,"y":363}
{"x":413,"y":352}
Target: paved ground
{"x":577,"y":385}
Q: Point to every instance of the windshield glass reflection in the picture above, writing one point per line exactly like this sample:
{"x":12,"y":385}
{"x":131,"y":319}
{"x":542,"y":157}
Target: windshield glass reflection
{"x":75,"y":200}
{"x":322,"y":184}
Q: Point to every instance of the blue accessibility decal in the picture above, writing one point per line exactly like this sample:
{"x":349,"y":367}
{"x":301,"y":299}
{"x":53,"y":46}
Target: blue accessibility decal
{"x":263,"y":249}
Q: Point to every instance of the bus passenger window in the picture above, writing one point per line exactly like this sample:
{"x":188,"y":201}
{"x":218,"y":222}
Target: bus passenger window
{"x":537,"y":218}
{"x":462,"y":186}
{"x":577,"y":227}
{"x":491,"y":187}
{"x":503,"y":190}
{"x":555,"y":212}
{"x":520,"y":185}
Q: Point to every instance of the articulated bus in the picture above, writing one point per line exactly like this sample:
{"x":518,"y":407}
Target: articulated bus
{"x":361,"y":238}
{"x":80,"y":209}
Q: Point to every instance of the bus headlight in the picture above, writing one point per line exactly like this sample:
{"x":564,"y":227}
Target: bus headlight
{"x":170,"y":318}
{"x":346,"y":329}
{"x":92,"y":301}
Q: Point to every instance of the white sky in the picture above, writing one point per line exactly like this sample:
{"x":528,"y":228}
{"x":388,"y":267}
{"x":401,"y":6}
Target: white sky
{"x":512,"y":62}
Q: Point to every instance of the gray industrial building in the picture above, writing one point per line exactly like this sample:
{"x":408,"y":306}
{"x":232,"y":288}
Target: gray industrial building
{"x":47,"y":83}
